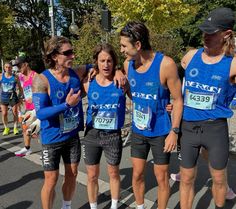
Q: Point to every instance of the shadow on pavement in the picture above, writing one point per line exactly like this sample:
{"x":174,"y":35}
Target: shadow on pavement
{"x":21,"y":205}
{"x":22,"y":181}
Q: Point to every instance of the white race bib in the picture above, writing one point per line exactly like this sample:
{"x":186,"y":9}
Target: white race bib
{"x":142,"y":117}
{"x":200,"y":100}
{"x":69,"y":120}
{"x":105,"y":120}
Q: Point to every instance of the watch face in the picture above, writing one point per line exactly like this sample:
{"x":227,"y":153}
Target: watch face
{"x":176,"y":130}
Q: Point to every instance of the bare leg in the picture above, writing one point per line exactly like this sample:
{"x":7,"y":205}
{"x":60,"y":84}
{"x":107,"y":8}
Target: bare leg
{"x":138,"y":179}
{"x":69,"y":184}
{"x":92,"y":186}
{"x":219,"y":186}
{"x":48,"y":190}
{"x":187,"y":176}
{"x":163,"y":191}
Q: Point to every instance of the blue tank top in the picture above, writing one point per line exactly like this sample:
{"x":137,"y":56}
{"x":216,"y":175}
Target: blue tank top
{"x":106,"y":106}
{"x":68,"y":123}
{"x":149,"y":98}
{"x":207,"y":89}
{"x":8,"y":86}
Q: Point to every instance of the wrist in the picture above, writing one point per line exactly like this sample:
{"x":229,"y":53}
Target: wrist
{"x":67,"y":105}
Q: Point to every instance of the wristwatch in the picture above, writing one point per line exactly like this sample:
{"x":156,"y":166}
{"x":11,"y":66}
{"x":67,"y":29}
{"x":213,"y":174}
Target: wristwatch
{"x":175,"y":130}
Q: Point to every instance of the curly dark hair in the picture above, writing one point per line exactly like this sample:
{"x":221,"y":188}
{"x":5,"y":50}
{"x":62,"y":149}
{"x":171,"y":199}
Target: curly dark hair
{"x":52,"y":47}
{"x":107,"y":48}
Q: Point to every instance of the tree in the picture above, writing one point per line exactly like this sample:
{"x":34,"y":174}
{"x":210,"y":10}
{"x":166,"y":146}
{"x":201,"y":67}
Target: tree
{"x":159,"y":15}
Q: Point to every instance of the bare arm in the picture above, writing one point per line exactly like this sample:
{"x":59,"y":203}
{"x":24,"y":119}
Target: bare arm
{"x":233,"y":71}
{"x":19,"y":85}
{"x":187,"y":58}
{"x":169,"y":77}
{"x":81,"y":71}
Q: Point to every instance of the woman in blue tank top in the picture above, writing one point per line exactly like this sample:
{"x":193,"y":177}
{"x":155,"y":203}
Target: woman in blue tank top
{"x":208,"y":89}
{"x":9,"y":83}
{"x":105,"y":118}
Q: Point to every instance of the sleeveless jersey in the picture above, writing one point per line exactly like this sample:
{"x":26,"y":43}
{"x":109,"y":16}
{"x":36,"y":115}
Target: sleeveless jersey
{"x":8,"y":86}
{"x":68,"y":123}
{"x":150,"y":98}
{"x":27,"y":89}
{"x":207,"y":89}
{"x":106,"y":107}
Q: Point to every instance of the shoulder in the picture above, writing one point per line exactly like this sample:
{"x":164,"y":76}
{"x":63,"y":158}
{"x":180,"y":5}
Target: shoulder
{"x":187,"y":57}
{"x":40,"y":83}
{"x":168,"y":62}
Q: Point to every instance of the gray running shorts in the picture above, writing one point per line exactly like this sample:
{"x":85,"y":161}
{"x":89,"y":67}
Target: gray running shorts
{"x":69,"y":150}
{"x":98,"y":141}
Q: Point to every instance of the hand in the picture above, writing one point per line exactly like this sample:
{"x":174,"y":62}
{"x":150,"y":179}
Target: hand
{"x":169,"y":108}
{"x":120,"y":79}
{"x":73,"y":99}
{"x":92,"y":73}
{"x":170,"y":142}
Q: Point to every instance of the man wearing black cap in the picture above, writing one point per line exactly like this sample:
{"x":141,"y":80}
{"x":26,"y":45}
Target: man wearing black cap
{"x":26,"y":77}
{"x":208,"y":90}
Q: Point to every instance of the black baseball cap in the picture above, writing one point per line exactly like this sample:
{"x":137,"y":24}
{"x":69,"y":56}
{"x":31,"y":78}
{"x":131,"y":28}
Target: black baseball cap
{"x":20,"y":60}
{"x":218,"y":19}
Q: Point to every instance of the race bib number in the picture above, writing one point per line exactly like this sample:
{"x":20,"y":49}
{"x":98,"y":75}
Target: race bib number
{"x":142,"y":117}
{"x":105,"y":120}
{"x":200,"y":100}
{"x":28,"y":92}
{"x":69,"y":120}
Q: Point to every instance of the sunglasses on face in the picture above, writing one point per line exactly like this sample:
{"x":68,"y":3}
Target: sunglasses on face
{"x":67,"y":53}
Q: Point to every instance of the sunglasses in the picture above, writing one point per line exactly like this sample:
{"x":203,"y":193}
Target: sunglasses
{"x":67,"y":53}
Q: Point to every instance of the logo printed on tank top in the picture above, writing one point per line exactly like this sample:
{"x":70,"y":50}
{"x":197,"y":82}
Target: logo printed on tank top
{"x":216,"y":77}
{"x":132,"y":82}
{"x":95,"y":95}
{"x":193,"y":72}
{"x":60,"y":94}
{"x":204,"y":87}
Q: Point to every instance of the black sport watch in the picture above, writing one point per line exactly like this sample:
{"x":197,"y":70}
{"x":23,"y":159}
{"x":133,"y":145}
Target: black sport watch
{"x":175,"y":130}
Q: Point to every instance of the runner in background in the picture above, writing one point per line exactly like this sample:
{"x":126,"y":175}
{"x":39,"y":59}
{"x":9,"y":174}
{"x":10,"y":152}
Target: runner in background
{"x":29,"y":117}
{"x":9,"y":84}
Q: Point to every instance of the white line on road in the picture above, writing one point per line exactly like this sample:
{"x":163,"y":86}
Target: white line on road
{"x":81,"y":178}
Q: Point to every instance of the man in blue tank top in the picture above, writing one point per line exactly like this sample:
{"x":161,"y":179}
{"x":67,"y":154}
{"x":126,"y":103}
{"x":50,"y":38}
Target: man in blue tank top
{"x":56,"y":96}
{"x":208,"y":90}
{"x":152,"y":77}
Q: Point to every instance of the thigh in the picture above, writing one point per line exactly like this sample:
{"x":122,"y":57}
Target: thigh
{"x":91,"y":149}
{"x":51,"y":155}
{"x":4,"y":109}
{"x":71,"y":150}
{"x":112,"y":147}
{"x":216,"y":141}
{"x":157,"y":146}
{"x":190,"y":144}
{"x":139,"y":146}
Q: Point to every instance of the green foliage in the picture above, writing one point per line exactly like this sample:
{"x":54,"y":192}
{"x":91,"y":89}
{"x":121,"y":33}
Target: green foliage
{"x":90,"y":35}
{"x":159,"y":15}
